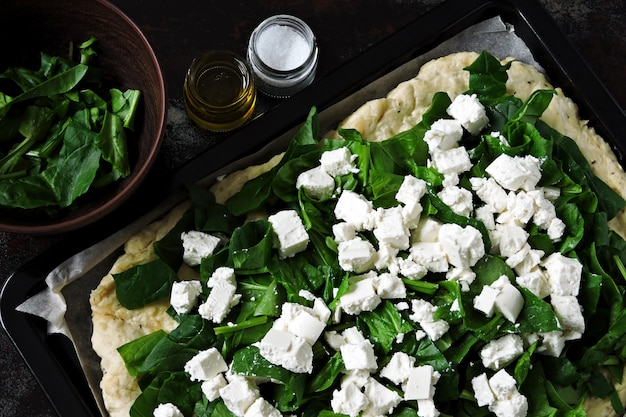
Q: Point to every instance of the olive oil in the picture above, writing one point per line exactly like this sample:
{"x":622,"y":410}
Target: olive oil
{"x":219,"y":91}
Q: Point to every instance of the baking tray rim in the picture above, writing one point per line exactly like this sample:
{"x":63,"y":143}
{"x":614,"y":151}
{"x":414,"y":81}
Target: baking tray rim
{"x":51,"y":358}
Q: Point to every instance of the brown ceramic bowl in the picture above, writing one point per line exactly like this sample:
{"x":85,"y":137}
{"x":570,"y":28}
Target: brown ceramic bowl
{"x":127,"y":60}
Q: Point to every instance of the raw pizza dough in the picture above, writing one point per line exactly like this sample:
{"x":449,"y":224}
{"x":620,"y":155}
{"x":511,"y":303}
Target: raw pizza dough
{"x":377,"y":120}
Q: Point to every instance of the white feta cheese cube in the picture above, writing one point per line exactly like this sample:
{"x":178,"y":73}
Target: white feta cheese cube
{"x":389,"y":286}
{"x":381,"y":400}
{"x":431,"y":255}
{"x":307,"y":327}
{"x":556,"y":229}
{"x":443,"y":134}
{"x":359,"y":355}
{"x":211,"y":387}
{"x":509,"y":300}
{"x":511,"y":238}
{"x":262,"y":408}
{"x":198,"y":245}
{"x":390,"y":227}
{"x":343,"y":232}
{"x":349,"y":400}
{"x":545,"y":211}
{"x":482,"y":392}
{"x":316,"y":183}
{"x":520,"y":207}
{"x":205,"y":365}
{"x":514,"y":406}
{"x":424,"y":314}
{"x":286,"y":349}
{"x":536,"y":282}
{"x":361,"y":296}
{"x":564,"y":274}
{"x":426,"y":231}
{"x":385,"y":256}
{"x":290,"y":235}
{"x":458,"y":199}
{"x":239,"y":394}
{"x":486,"y":300}
{"x":398,"y":367}
{"x":452,"y":161}
{"x":489,"y":191}
{"x":356,"y":255}
{"x":486,"y":215}
{"x":184,"y":295}
{"x":219,"y":302}
{"x":569,"y":312}
{"x":411,"y":190}
{"x":530,"y":262}
{"x":515,"y":172}
{"x":498,"y":353}
{"x":470,"y":112}
{"x":167,"y":410}
{"x":552,"y":343}
{"x":502,"y":384}
{"x":355,"y":209}
{"x":421,"y":383}
{"x":464,"y":276}
{"x":411,"y":214}
{"x":222,"y":273}
{"x":464,"y":246}
{"x":426,"y":408}
{"x":338,"y":162}
{"x":408,"y":268}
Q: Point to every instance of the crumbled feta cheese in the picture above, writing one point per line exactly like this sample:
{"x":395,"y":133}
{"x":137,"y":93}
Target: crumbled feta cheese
{"x":286,"y":349}
{"x":564,"y":274}
{"x":498,"y":353}
{"x":552,"y":343}
{"x":355,"y":209}
{"x":349,"y":400}
{"x":458,"y":199}
{"x":411,"y":190}
{"x":361,"y":296}
{"x":536,"y":282}
{"x":205,"y":365}
{"x":424,"y":314}
{"x":515,"y":172}
{"x":222,"y":273}
{"x":511,"y":239}
{"x":500,"y":296}
{"x":219,"y":302}
{"x":569,"y":312}
{"x":290,"y":235}
{"x":408,"y":268}
{"x":359,"y":355}
{"x":167,"y":410}
{"x":198,"y":245}
{"x":390,"y":227}
{"x":463,"y":245}
{"x":307,"y":326}
{"x":316,"y":183}
{"x":464,"y":276}
{"x":520,"y":207}
{"x":356,"y":255}
{"x":486,"y":215}
{"x":489,"y":191}
{"x":451,"y":161}
{"x":431,"y":255}
{"x":338,"y":162}
{"x":262,"y":408}
{"x":556,"y":229}
{"x":421,"y":383}
{"x":389,"y":286}
{"x":239,"y":394}
{"x":381,"y":400}
{"x":500,"y":394}
{"x":470,"y":112}
{"x":211,"y":387}
{"x":443,"y":134}
{"x":343,"y":232}
{"x":397,"y":369}
{"x":184,"y":295}
{"x":426,"y":231}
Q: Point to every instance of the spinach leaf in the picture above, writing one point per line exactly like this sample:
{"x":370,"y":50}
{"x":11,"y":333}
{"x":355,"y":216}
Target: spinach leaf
{"x":143,"y":284}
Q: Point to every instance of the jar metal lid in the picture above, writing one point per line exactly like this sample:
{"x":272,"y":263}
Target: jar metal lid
{"x":283,"y":55}
{"x":219,"y":91}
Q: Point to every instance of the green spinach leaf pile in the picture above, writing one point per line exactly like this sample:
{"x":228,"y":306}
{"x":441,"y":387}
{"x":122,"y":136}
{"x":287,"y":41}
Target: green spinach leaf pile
{"x":61,"y":134}
{"x":552,"y":385}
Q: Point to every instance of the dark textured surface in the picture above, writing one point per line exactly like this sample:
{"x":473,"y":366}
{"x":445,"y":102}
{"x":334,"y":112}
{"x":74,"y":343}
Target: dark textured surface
{"x":178,"y":30}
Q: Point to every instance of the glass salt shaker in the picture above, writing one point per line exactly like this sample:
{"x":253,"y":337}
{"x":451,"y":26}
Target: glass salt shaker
{"x":283,"y":55}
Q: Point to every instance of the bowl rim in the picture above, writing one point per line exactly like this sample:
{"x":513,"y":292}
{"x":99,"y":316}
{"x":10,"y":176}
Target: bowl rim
{"x":138,"y":175}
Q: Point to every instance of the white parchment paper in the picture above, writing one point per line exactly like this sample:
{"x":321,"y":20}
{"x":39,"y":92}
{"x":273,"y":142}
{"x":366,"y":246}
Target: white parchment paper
{"x":65,"y":302}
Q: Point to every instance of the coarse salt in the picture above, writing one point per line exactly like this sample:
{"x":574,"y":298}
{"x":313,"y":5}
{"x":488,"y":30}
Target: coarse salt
{"x":282,"y":48}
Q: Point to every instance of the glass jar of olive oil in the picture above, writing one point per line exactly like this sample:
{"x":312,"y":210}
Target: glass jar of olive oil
{"x":219,"y":91}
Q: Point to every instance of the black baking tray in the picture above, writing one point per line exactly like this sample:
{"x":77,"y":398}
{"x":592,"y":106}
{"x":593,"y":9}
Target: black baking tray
{"x":52,"y":359}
